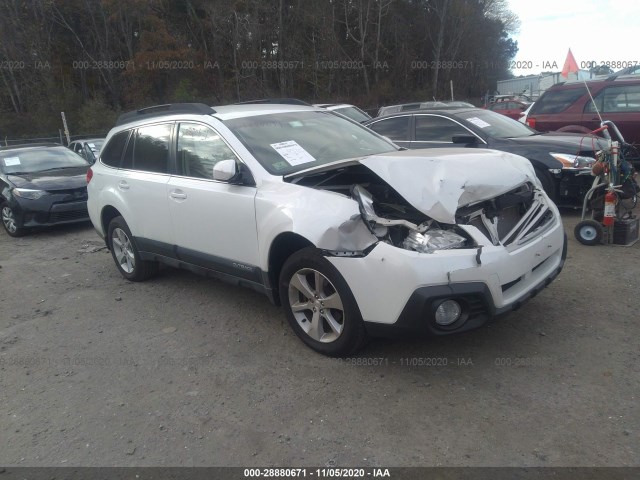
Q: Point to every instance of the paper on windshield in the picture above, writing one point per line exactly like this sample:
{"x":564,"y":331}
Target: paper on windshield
{"x":11,"y":161}
{"x":293,"y":153}
{"x":478,"y":122}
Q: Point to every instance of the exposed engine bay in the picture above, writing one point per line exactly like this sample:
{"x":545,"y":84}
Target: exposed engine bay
{"x":508,"y":218}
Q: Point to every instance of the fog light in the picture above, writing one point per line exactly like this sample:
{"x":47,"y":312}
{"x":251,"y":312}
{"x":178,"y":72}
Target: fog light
{"x":448,"y":312}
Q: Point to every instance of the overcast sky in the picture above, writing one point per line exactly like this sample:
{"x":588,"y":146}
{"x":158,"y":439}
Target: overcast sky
{"x":595,"y":30}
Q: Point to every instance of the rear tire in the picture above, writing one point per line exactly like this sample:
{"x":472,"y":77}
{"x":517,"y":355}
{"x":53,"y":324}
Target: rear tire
{"x":125,"y":253}
{"x":319,"y":304}
{"x":589,"y":232}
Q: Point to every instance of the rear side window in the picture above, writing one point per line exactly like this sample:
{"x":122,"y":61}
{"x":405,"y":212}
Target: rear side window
{"x":396,"y":128}
{"x":112,"y":153}
{"x":557,"y":101}
{"x":620,"y":99}
{"x":148,"y":149}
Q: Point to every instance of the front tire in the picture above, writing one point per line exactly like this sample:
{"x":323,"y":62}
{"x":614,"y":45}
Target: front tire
{"x":9,"y":221}
{"x":319,"y":304}
{"x":125,"y":253}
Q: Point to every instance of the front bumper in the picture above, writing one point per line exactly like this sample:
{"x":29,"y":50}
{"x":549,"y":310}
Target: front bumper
{"x":418,"y":315}
{"x":44,"y":213}
{"x":573,"y":184}
{"x":398,"y":290}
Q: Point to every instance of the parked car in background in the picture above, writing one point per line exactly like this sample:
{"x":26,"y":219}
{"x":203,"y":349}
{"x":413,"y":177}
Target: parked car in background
{"x":350,"y":111}
{"x":41,"y":185}
{"x":511,"y":108}
{"x":568,"y":107}
{"x":405,"y":107}
{"x":562,"y":161}
{"x":88,"y":148}
{"x":352,"y":236}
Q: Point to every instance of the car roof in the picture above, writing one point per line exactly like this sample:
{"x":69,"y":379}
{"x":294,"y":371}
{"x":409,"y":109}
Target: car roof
{"x":597,"y":82}
{"x":431,"y":111}
{"x":86,"y":140}
{"x":333,"y":106}
{"x":229,"y":112}
{"x":224,"y":112}
{"x":29,"y":146}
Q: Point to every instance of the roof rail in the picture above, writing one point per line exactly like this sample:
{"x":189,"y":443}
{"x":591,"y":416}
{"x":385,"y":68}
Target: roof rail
{"x":162,"y":110}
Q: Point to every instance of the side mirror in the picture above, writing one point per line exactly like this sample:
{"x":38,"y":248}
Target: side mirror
{"x":225,"y":171}
{"x":465,"y":139}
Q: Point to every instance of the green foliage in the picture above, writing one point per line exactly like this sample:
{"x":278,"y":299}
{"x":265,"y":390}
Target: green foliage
{"x":94,"y":116}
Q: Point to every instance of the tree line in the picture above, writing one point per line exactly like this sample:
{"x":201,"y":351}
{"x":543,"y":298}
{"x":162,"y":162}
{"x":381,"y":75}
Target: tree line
{"x":95,"y":58}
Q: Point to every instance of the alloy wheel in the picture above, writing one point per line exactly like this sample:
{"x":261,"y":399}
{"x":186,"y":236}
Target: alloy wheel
{"x":316,"y":305}
{"x":9,"y":220}
{"x":123,"y":250}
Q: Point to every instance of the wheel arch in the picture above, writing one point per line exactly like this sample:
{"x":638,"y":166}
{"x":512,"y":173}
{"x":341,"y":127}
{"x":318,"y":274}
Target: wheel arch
{"x":574,"y":129}
{"x":282,"y":247}
{"x":108,"y":213}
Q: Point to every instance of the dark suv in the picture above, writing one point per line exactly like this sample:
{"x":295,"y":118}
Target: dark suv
{"x":567,"y":106}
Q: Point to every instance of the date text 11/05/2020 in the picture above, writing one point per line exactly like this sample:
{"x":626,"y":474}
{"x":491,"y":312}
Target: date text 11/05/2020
{"x":328,"y":472}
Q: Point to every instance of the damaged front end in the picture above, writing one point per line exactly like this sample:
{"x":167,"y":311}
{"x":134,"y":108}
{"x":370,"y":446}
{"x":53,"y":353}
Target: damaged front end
{"x":510,"y":219}
{"x":427,"y":236}
{"x":428,"y":205}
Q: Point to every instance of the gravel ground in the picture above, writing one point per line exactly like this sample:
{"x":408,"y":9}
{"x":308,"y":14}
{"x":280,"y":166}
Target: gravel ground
{"x":187,"y":371}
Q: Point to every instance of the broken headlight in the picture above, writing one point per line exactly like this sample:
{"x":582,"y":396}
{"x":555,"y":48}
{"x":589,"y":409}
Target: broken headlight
{"x":433,"y":240}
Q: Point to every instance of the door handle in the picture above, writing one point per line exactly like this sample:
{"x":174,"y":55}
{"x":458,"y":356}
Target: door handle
{"x":123,"y":185}
{"x":178,"y":194}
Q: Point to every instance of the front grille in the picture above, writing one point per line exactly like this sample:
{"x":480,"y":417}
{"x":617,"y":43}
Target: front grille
{"x":69,"y":215}
{"x":64,"y":212}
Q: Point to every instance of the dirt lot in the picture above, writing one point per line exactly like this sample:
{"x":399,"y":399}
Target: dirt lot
{"x":182,"y":370}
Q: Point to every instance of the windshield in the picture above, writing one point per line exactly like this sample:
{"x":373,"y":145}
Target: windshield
{"x":30,"y":160}
{"x":496,"y":125}
{"x":285,"y":143}
{"x":354,"y":113}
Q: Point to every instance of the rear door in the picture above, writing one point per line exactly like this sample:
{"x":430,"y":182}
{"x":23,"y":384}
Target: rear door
{"x":142,"y":184}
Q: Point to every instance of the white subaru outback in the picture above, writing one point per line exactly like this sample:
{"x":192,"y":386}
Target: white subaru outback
{"x":350,"y":234}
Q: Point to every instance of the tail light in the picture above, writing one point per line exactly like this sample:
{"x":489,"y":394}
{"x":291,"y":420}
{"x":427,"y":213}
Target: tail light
{"x":89,"y":175}
{"x":531,"y":122}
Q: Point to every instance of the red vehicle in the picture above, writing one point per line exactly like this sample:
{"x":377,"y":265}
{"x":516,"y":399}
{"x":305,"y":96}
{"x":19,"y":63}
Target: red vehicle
{"x":511,"y":108}
{"x":567,"y":107}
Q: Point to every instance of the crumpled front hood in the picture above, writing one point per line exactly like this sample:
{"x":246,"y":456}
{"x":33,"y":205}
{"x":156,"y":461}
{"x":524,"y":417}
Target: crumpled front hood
{"x":438,"y":181}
